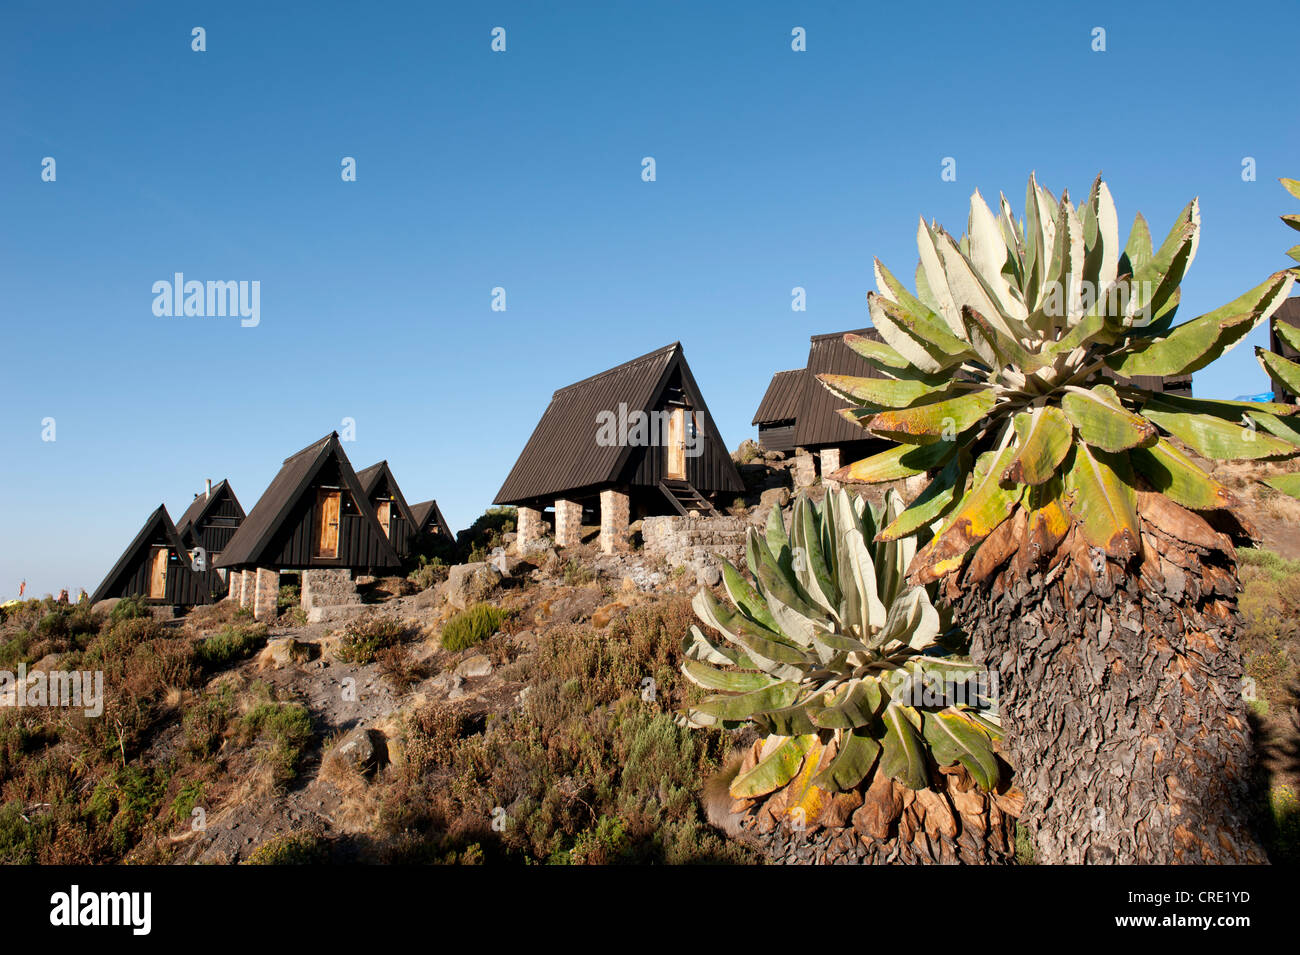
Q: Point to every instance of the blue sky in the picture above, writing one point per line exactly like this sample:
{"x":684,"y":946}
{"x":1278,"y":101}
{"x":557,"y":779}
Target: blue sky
{"x":522,"y":170}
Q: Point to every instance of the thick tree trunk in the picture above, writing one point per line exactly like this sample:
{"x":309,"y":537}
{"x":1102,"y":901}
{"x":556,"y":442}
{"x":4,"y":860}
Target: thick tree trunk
{"x":1121,"y":692}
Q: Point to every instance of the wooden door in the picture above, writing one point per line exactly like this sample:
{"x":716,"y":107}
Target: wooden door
{"x":158,"y":573}
{"x":677,"y":444}
{"x":327,"y":522}
{"x":384,"y":511}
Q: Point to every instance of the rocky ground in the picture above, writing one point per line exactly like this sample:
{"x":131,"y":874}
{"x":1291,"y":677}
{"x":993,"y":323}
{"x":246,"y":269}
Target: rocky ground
{"x":357,"y":710}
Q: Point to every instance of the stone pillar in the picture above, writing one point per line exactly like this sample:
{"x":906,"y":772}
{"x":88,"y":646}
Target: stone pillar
{"x":235,"y":583}
{"x":247,"y":584}
{"x":830,"y":464}
{"x":266,"y":594}
{"x":568,"y":523}
{"x":614,"y":510}
{"x":528,"y":527}
{"x":805,"y":471}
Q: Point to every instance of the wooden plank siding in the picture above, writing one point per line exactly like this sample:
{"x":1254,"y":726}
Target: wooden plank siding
{"x":280,"y":531}
{"x":130,"y":576}
{"x":563,"y":457}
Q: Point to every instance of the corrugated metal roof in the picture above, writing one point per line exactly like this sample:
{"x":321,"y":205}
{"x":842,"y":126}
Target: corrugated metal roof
{"x":563,"y":454}
{"x":818,"y":421}
{"x":369,"y":479}
{"x":158,"y":525}
{"x":423,"y":511}
{"x":199,"y":506}
{"x":272,"y":508}
{"x":781,"y":400}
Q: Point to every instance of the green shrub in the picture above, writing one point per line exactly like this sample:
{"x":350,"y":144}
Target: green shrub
{"x":1282,"y":829}
{"x":487,"y":531}
{"x":291,"y":849}
{"x":21,"y":837}
{"x":190,"y":795}
{"x":129,"y":608}
{"x":124,"y":803}
{"x":204,"y":723}
{"x":578,"y":574}
{"x":229,"y":645}
{"x":472,"y":626}
{"x":290,"y":595}
{"x":431,"y":570}
{"x":363,"y":639}
{"x":286,"y":730}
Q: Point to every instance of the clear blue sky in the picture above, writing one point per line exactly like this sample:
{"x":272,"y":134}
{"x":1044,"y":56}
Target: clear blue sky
{"x":523,"y":170}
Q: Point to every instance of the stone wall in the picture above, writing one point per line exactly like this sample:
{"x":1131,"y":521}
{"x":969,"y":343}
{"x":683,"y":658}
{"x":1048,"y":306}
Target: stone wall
{"x":329,"y":594}
{"x":695,"y":542}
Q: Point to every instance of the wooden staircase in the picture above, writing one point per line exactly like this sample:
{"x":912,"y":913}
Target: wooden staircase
{"x":685,"y":499}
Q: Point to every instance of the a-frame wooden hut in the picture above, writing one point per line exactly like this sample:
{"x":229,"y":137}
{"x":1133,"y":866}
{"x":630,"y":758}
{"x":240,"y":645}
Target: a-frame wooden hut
{"x":156,"y":566}
{"x":635,"y":440}
{"x":313,"y":517}
{"x":778,"y":410}
{"x":211,"y":521}
{"x":394,"y":516}
{"x":429,"y":522}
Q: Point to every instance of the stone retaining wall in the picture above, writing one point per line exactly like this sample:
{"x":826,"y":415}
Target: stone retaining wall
{"x":695,"y":542}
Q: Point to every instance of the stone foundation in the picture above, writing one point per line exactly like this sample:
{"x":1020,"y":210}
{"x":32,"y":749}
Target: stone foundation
{"x":568,"y":523}
{"x":235,"y":586}
{"x":830,"y":462}
{"x":329,"y":594}
{"x":248,"y":583}
{"x":695,"y":542}
{"x":266,"y":594}
{"x":804,"y":470}
{"x":528,"y":528}
{"x":614,"y":509}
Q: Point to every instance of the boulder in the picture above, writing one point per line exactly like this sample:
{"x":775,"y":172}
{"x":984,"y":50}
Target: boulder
{"x":106,"y":606}
{"x":361,"y":750}
{"x":469,"y":583}
{"x":774,"y":497}
{"x":446,"y":683}
{"x":285,"y":651}
{"x":476,"y":666}
{"x":710,"y":575}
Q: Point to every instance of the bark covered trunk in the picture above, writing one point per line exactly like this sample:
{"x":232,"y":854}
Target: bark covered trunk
{"x":1121,"y":691}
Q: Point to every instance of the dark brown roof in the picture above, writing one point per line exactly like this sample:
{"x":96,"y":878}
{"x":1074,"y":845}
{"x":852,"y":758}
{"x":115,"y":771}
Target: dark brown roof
{"x":818,"y":421}
{"x":369,"y":479}
{"x":781,"y":400}
{"x":276,"y":502}
{"x":563,"y":454}
{"x":423,"y":511}
{"x":1289,"y":312}
{"x":202,"y":501}
{"x":190,"y":587}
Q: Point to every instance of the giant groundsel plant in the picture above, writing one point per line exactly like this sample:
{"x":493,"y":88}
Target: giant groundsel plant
{"x":1014,"y":374}
{"x":837,"y":658}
